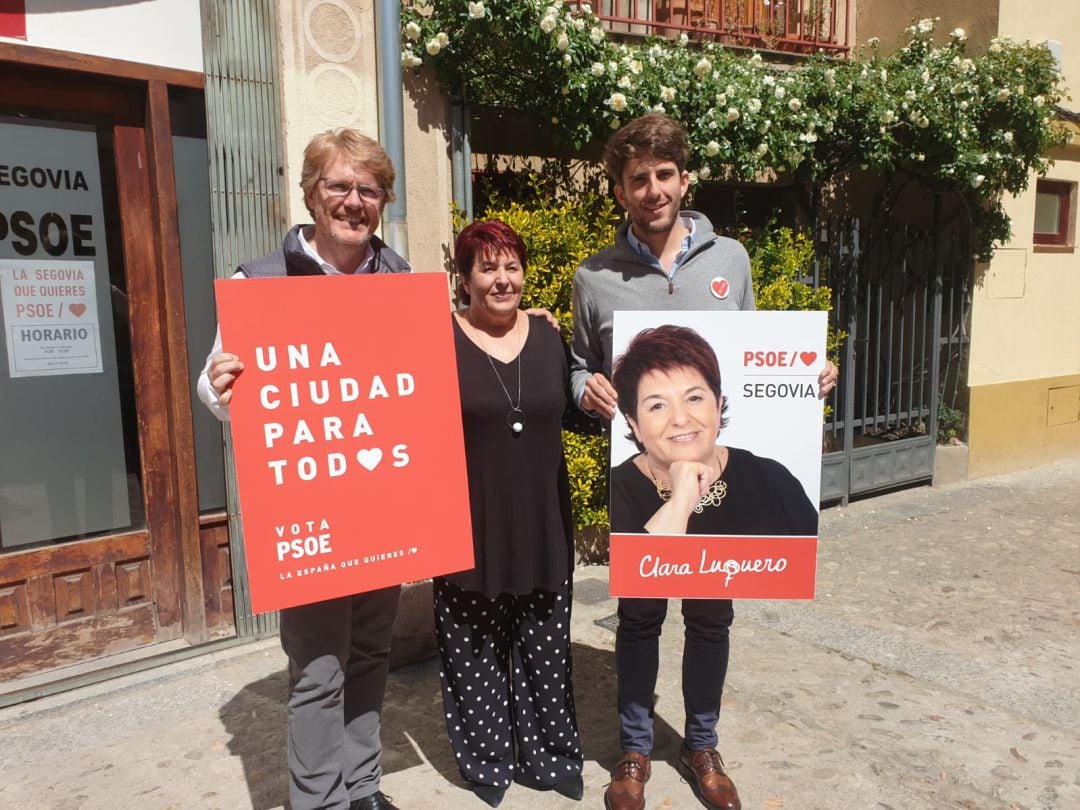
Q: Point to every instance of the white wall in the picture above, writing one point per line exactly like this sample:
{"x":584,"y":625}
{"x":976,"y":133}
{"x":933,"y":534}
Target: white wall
{"x":155,"y":32}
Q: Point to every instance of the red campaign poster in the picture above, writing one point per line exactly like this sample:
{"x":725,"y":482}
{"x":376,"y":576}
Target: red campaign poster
{"x":13,"y":19}
{"x":346,"y":426}
{"x":713,"y":567}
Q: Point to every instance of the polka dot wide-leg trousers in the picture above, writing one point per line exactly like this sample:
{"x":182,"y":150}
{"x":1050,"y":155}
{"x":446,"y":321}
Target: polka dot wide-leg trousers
{"x":506,"y":685}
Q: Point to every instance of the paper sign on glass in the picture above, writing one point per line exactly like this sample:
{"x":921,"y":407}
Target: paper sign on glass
{"x":676,"y":529}
{"x":346,"y":426}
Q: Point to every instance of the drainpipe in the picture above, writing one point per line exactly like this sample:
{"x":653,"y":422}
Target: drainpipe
{"x":391,"y":118}
{"x":461,"y":154}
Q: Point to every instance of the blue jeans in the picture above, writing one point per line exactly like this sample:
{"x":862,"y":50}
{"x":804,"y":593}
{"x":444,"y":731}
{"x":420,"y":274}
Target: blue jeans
{"x":704,"y":667}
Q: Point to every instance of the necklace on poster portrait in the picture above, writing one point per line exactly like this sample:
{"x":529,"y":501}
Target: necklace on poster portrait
{"x":515,"y":417}
{"x":714,"y":496}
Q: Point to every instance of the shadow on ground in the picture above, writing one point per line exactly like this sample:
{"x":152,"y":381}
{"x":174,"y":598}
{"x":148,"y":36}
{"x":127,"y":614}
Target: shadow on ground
{"x":413,"y":728}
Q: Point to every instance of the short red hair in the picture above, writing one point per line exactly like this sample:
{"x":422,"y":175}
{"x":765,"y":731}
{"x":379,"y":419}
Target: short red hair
{"x":486,"y":238}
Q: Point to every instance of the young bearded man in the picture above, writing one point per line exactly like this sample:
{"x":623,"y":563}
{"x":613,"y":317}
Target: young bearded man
{"x":663,"y":259}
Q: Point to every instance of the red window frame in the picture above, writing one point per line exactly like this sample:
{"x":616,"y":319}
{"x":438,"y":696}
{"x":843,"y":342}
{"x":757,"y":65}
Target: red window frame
{"x":1066,"y":194}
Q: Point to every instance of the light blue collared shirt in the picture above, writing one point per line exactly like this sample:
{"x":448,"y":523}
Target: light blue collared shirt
{"x":643,"y":249}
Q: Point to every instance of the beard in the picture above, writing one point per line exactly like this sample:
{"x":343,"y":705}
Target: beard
{"x":661,"y":224}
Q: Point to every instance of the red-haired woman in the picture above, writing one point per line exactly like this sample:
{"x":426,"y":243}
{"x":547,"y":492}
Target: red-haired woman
{"x":504,"y":626}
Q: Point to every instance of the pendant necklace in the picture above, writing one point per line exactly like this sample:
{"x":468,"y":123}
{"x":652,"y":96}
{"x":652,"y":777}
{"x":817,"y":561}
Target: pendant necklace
{"x":515,"y":417}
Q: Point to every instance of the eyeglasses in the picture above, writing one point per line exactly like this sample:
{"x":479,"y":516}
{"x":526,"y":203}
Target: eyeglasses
{"x":339,"y":189}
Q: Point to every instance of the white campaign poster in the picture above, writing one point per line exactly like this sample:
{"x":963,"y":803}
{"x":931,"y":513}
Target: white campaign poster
{"x":769,"y":365}
{"x":51,"y":316}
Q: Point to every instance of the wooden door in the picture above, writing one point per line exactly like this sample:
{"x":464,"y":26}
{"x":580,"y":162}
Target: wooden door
{"x":90,"y":551}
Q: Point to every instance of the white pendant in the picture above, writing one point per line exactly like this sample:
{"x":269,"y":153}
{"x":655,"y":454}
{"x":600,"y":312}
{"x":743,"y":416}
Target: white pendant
{"x":517,"y":427}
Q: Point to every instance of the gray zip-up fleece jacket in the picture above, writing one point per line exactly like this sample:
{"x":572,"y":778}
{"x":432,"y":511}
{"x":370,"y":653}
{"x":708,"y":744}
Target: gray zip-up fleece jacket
{"x":619,"y":278}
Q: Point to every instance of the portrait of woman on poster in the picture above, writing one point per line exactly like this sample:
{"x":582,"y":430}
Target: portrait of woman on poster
{"x":684,"y":480}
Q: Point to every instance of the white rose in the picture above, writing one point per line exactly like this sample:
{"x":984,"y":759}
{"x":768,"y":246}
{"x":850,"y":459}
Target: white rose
{"x":597,"y":68}
{"x":923,"y":122}
{"x":1008,"y":136}
{"x":565,"y":89}
{"x":721,"y":99}
{"x":705,"y":173}
{"x":667,"y":94}
{"x":442,"y":38}
{"x":412,"y":31}
{"x":910,"y":95}
{"x":963,"y":105}
{"x":768,"y":80}
{"x":712,"y":148}
{"x":547,"y":25}
{"x":925,"y":25}
{"x":873,"y":42}
{"x":554,"y":119}
{"x":624,"y":82}
{"x":1038,"y":101}
{"x":567,"y":60}
{"x":925,"y":77}
{"x":586,"y":8}
{"x":762,"y":148}
{"x":780,"y":92}
{"x":615,"y":123}
{"x":830,"y":77}
{"x":433,"y":46}
{"x":755,"y":59}
{"x":1003,"y":94}
{"x":476,"y":10}
{"x":658,"y":108}
{"x":732,"y":115}
{"x":635,"y":66}
{"x":887,"y":117}
{"x":702,"y":68}
{"x":959,"y":34}
{"x":596,"y":35}
{"x":977,"y":181}
{"x":579,"y":24}
{"x":884,"y":75}
{"x":563,"y":42}
{"x":795,"y":105}
{"x":617,"y":102}
{"x":684,"y":39}
{"x":693,"y":178}
{"x":754,"y":105}
{"x":920,"y":157}
{"x":995,"y":47}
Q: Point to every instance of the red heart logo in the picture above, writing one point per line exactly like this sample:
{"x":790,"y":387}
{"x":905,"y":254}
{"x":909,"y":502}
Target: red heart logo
{"x":808,"y":357}
{"x":77,"y":309}
{"x":720,"y":287}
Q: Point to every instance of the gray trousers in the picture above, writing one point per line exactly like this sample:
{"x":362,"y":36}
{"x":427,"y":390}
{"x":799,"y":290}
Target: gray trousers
{"x":338,"y":660}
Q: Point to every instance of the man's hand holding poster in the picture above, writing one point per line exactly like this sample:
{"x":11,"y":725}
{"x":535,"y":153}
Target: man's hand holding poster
{"x":716,"y":454}
{"x":346,"y":425}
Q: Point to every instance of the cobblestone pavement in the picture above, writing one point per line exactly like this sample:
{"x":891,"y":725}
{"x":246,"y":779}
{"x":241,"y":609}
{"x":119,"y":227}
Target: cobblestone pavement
{"x":937,"y":668}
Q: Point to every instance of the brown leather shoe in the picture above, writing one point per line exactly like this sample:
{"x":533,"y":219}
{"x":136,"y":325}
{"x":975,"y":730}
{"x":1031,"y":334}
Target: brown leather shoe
{"x":627,"y":788}
{"x":704,"y":770}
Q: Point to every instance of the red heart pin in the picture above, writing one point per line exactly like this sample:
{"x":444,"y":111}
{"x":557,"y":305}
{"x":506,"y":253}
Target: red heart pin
{"x":77,"y":309}
{"x":720,"y":287}
{"x":808,"y":357}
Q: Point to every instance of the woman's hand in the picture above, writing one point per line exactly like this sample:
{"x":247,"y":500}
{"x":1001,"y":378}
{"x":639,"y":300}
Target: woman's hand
{"x":223,"y":371}
{"x":690,"y":480}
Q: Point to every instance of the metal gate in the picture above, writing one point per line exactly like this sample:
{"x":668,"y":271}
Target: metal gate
{"x":902,"y":293}
{"x":243,"y":120}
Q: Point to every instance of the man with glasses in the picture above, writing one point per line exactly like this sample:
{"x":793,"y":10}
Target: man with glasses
{"x":338,"y":649}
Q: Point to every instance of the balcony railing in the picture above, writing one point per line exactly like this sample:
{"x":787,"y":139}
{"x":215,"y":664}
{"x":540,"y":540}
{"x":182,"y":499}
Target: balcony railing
{"x":794,"y":26}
